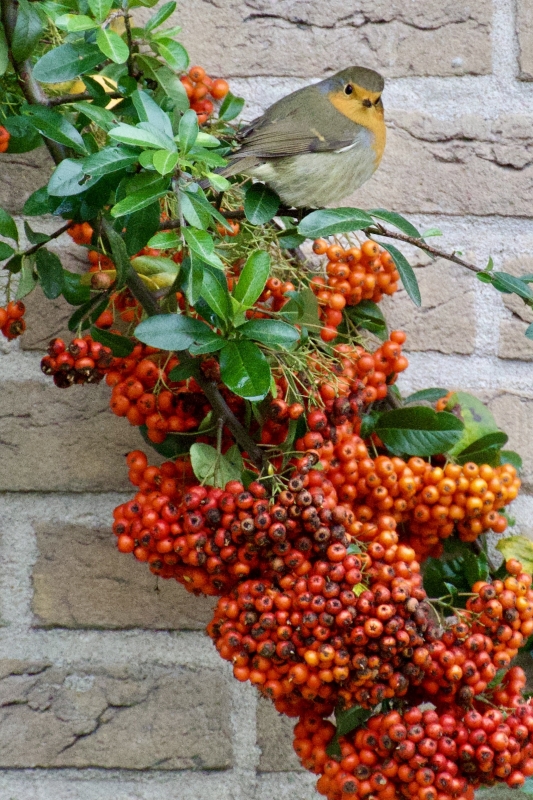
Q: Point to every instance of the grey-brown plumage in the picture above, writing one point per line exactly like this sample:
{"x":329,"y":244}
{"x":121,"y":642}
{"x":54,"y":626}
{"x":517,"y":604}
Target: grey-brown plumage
{"x":318,"y":144}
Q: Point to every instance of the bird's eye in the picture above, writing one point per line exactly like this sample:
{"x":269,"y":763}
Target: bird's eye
{"x":348,"y":89}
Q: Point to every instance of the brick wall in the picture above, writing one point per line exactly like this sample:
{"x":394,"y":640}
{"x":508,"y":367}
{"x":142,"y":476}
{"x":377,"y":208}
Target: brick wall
{"x":109,"y":690}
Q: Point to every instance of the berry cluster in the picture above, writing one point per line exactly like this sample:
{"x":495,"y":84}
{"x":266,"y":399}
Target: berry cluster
{"x":429,"y":503}
{"x":424,"y":755}
{"x":198,"y":86}
{"x":82,"y":361}
{"x":12,"y":323}
{"x":4,"y":139}
{"x":354,"y":274}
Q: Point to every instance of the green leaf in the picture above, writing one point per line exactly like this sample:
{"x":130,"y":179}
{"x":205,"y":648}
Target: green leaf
{"x":28,"y":280}
{"x":6,"y":251}
{"x":231,"y":107}
{"x":431,"y":232}
{"x":66,"y":62}
{"x":166,"y":10}
{"x":260,"y":204}
{"x":510,"y":457}
{"x":174,"y":445}
{"x":172,"y":331}
{"x":219,"y":182}
{"x":119,"y":253}
{"x":87,"y":313}
{"x":120,"y":346}
{"x":485,"y":450}
{"x":112,"y":45}
{"x":271,"y":332}
{"x":23,"y":136}
{"x":164,"y":161}
{"x":216,"y":295}
{"x":140,"y":137}
{"x":425,"y":395}
{"x":74,"y":23}
{"x":407,"y":275}
{"x":196,"y":204}
{"x":38,"y":203}
{"x":149,"y":111}
{"x":418,"y":431}
{"x":164,"y":240}
{"x":211,"y":467}
{"x":141,"y":199}
{"x":100,"y":8}
{"x":4,"y":51}
{"x":327,"y":221}
{"x":50,"y":273}
{"x":252,"y":279}
{"x":28,"y":30}
{"x":172,"y":87}
{"x":191,"y":278}
{"x":108,"y":160}
{"x":73,"y":290}
{"x":368,"y":315}
{"x":519,"y":547}
{"x":34,"y":237}
{"x":245,"y":370}
{"x":140,"y":226}
{"x":54,"y":126}
{"x":188,"y":130}
{"x":8,"y":227}
{"x":210,"y":344}
{"x":195,"y":214}
{"x":508,"y":284}
{"x":173,"y":52}
{"x":393,"y":218}
{"x":187,"y":368}
{"x":14,"y":264}
{"x":67,"y":179}
{"x":102,"y":117}
{"x":203,"y":245}
{"x":529,"y":331}
{"x":350,"y":719}
{"x":476,"y":417}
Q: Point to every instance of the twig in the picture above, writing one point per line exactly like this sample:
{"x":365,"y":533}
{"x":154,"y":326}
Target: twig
{"x":23,"y":70}
{"x":379,"y":230}
{"x":63,"y":99}
{"x":131,"y":68}
{"x":53,"y":235}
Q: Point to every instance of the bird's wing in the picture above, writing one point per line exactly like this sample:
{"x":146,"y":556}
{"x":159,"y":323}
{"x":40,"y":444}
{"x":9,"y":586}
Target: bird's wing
{"x":290,"y":130}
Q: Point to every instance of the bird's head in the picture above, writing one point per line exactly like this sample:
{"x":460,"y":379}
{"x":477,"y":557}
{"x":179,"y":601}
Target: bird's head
{"x":356,"y":93}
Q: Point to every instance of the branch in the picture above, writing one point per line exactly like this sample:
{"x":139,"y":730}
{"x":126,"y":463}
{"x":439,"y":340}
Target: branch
{"x":23,"y":70}
{"x":210,"y":389}
{"x":62,"y":99}
{"x":53,"y":235}
{"x":379,"y":230}
{"x":131,"y":68}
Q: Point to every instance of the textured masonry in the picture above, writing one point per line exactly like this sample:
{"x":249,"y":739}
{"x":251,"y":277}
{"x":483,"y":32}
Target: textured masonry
{"x":109,"y":690}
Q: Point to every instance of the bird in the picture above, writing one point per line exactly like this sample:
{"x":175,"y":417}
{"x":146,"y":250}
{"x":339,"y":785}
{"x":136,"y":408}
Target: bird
{"x":318,"y":144}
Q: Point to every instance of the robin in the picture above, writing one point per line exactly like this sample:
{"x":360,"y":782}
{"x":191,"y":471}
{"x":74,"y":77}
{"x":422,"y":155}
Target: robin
{"x":318,"y":144}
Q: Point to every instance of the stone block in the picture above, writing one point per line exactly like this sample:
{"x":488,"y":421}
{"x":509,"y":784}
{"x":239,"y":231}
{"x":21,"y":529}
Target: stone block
{"x":116,"y":718}
{"x":45,"y":319}
{"x":274,"y":739}
{"x":524,"y":31}
{"x":427,"y":158}
{"x":62,"y":439}
{"x":22,"y":174}
{"x":310,"y":38}
{"x":102,"y":588}
{"x":513,"y":342}
{"x":514,"y":415}
{"x":446,"y":320}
